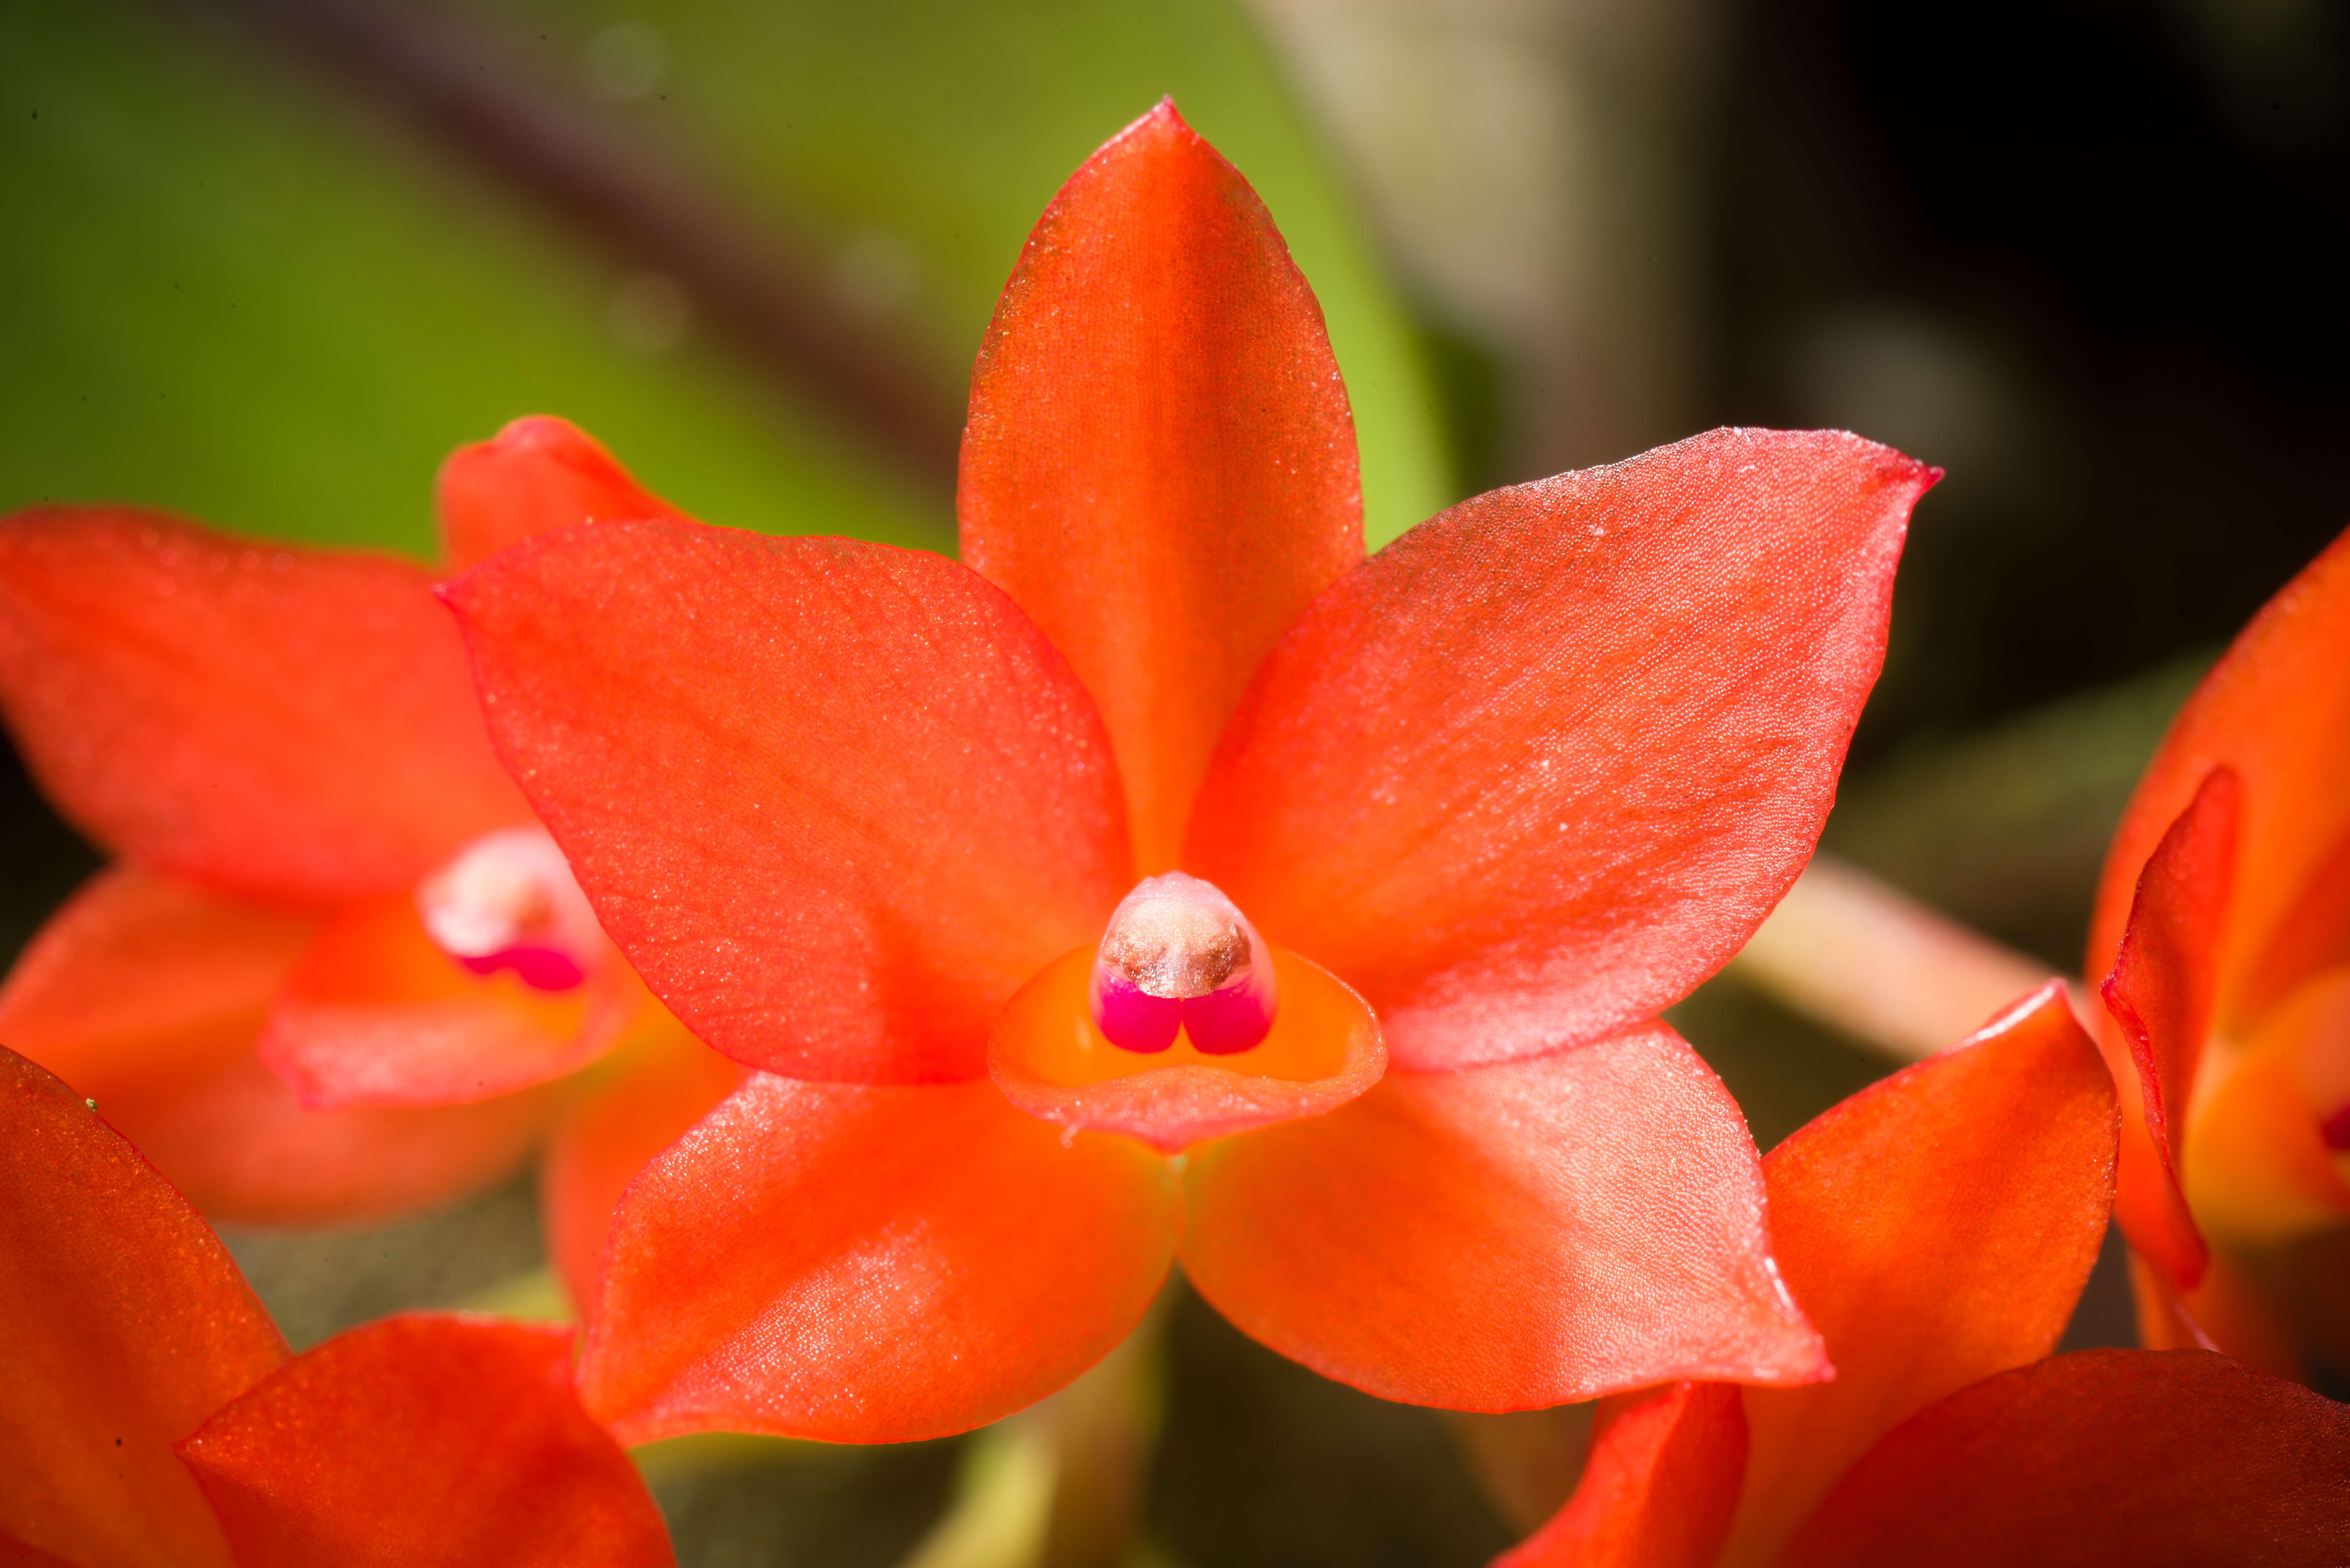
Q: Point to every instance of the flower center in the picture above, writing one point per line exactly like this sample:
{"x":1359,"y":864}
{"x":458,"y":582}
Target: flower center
{"x":1178,"y":955}
{"x":508,"y":900}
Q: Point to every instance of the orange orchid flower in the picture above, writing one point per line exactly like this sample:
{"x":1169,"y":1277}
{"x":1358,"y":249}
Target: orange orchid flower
{"x":151,"y":1418}
{"x":337,"y":969}
{"x":2223,"y":942}
{"x":1168,"y":882}
{"x":1938,"y":1226}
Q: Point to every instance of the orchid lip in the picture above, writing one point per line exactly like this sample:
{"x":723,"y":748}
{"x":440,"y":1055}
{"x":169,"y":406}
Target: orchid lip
{"x":1178,"y":955}
{"x":507,"y":901}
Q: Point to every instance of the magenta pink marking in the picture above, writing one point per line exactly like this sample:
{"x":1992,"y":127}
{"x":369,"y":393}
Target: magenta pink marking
{"x":1228,"y":1021}
{"x":2335,"y":1131}
{"x":1134,"y":1020}
{"x":541,"y":969}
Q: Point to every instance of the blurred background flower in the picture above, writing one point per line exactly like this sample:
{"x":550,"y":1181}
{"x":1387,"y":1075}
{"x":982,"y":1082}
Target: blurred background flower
{"x":269,"y":260}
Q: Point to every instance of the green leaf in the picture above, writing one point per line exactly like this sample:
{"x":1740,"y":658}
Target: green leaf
{"x":236,"y":290}
{"x":227,"y":295}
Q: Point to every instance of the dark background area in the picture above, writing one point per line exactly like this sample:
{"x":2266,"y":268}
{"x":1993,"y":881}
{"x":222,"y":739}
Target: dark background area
{"x":2122,"y":225}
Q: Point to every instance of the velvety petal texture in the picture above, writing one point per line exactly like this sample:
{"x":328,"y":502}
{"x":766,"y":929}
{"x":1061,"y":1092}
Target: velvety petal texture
{"x":1159,"y":464}
{"x":835,"y":801}
{"x":1543,"y":763}
{"x":286,"y":724}
{"x":862,"y":1263}
{"x":147,"y":996}
{"x":2102,"y":1457}
{"x":2160,"y":995}
{"x":540,"y":475}
{"x":123,"y":1324}
{"x":1658,"y":1488}
{"x":425,"y":1441}
{"x":1938,"y":1226}
{"x":1506,"y":1237}
{"x":2275,"y":710}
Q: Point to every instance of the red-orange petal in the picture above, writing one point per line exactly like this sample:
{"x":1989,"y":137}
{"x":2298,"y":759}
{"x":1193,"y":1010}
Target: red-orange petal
{"x":147,"y":996}
{"x":425,"y":1441}
{"x":632,"y":1106}
{"x":539,"y":474}
{"x":865,"y":1264}
{"x":1658,"y":1490}
{"x":1938,"y":1226}
{"x":1159,"y":464}
{"x":2256,"y":1165}
{"x":1051,"y":1061}
{"x":123,"y":1324}
{"x":2160,"y":995}
{"x":138,"y":977}
{"x":268,"y":720}
{"x":835,"y":801}
{"x":2229,"y":1310}
{"x":1505,"y":1237}
{"x":242,"y":1146}
{"x":2276,"y":710}
{"x":1545,"y":763}
{"x":2103,"y":1455}
{"x":15,"y":1553}
{"x":376,"y":1015}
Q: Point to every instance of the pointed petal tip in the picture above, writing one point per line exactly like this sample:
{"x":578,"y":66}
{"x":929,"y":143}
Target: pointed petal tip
{"x":538,"y":474}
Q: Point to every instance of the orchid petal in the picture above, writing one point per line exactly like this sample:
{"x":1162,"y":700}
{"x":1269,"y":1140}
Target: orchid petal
{"x":147,"y":996}
{"x":375,"y":1014}
{"x":1938,"y":1226}
{"x":2160,"y":995}
{"x":1659,"y":1488}
{"x":425,"y":1441}
{"x":539,"y":474}
{"x":2276,"y":712}
{"x":835,"y":801}
{"x":124,"y":1323}
{"x":871,"y":1264}
{"x":1505,"y":1237}
{"x":280,"y":723}
{"x":2103,"y":1455}
{"x":2256,"y":1165}
{"x":134,"y":959}
{"x":1541,"y":765}
{"x":2227,"y":1307}
{"x":1159,"y":465}
{"x":15,"y":1553}
{"x":642,"y":1099}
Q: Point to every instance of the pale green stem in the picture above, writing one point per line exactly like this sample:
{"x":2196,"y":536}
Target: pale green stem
{"x":1877,"y":965}
{"x":1061,"y":1484}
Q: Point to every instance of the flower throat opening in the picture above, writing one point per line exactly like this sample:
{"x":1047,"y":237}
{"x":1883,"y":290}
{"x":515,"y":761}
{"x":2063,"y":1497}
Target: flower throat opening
{"x":508,"y":900}
{"x":1178,"y":954}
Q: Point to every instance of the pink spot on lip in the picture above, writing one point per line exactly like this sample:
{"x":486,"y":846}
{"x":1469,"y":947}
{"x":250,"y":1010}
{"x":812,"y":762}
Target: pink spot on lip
{"x":1134,"y":1020}
{"x":1178,"y":955}
{"x":541,"y":969}
{"x":2335,"y":1131}
{"x":1227,"y":1021}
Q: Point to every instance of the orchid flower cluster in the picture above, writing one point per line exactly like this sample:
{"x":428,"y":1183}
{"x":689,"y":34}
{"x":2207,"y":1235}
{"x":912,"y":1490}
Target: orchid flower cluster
{"x":899,"y":965}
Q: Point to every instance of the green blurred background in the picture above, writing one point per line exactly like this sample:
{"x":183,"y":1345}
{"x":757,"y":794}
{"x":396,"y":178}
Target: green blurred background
{"x":266,"y":261}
